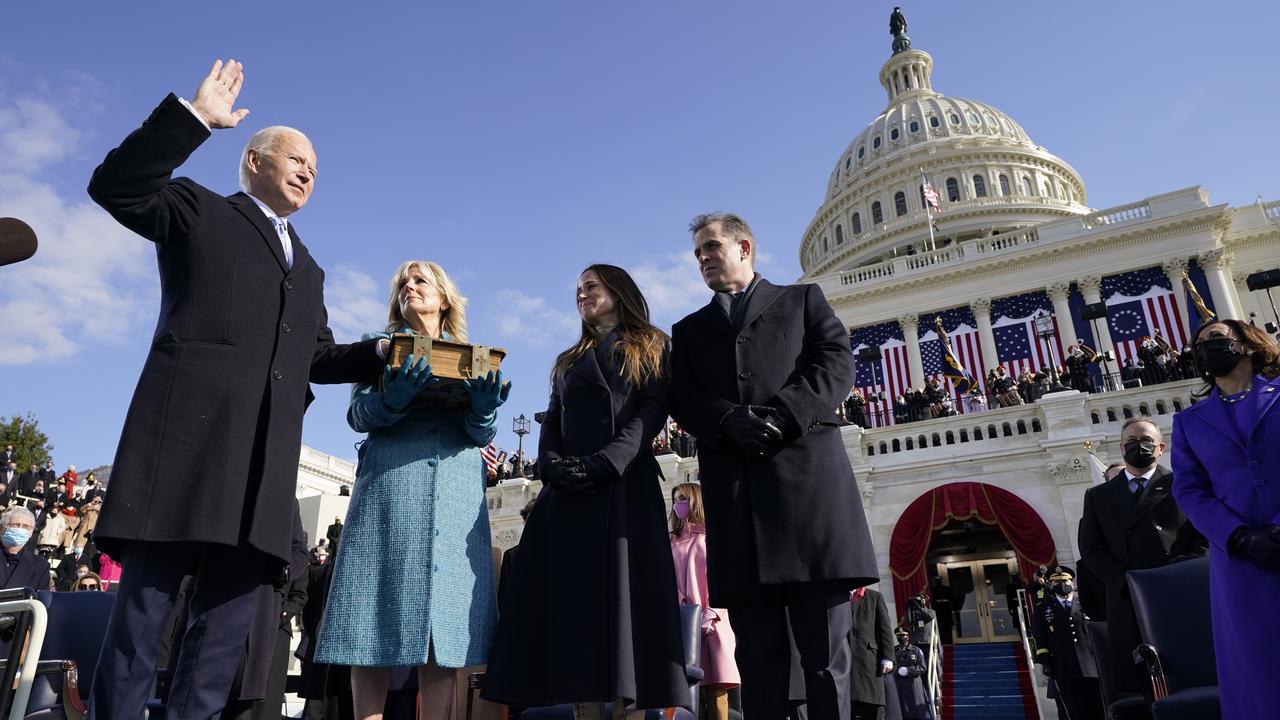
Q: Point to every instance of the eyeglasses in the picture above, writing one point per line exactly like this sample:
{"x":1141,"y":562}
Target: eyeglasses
{"x":87,"y":586}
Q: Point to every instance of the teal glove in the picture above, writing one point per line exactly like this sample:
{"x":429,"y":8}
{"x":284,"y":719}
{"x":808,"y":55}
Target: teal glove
{"x":400,"y":387}
{"x":487,"y":393}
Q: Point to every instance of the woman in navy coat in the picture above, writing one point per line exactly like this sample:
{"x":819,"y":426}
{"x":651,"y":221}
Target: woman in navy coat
{"x":1226,"y":453}
{"x":589,"y":615}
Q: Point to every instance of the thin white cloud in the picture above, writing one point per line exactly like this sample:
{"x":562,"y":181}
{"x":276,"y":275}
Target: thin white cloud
{"x":355,"y":301}
{"x":90,"y":278}
{"x":672,"y":286}
{"x":533,"y":320}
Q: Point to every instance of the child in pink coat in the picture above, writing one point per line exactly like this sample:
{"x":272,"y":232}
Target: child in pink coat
{"x":689,"y":550}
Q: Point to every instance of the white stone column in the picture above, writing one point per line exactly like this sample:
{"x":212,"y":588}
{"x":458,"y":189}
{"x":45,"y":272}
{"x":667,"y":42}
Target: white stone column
{"x":911,"y":333}
{"x":1091,"y":289}
{"x":1173,"y":269}
{"x":981,"y":308}
{"x":1059,"y":293}
{"x":1217,"y":270}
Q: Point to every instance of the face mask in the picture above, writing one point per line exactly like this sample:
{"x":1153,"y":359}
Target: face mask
{"x":681,"y":509}
{"x":16,"y":537}
{"x":79,"y":551}
{"x":1063,"y":589}
{"x":1218,"y":356}
{"x":1140,"y":453}
{"x":82,"y":572}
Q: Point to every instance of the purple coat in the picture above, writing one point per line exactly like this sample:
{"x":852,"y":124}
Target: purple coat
{"x":1223,"y":481}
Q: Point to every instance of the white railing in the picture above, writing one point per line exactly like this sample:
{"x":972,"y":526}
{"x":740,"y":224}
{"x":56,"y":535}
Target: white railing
{"x":957,"y":432}
{"x":1272,"y":211}
{"x":1040,"y":685}
{"x":1158,"y":402}
{"x":1132,"y":212}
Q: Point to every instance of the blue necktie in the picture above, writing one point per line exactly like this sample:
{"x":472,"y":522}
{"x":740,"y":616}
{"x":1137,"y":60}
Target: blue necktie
{"x":282,"y":229}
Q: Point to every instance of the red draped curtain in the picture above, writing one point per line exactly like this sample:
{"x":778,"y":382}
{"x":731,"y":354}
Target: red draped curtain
{"x":988,"y":504}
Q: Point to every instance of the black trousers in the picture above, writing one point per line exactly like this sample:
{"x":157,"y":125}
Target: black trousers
{"x":1082,"y":698}
{"x":820,"y":623}
{"x":218,"y":624}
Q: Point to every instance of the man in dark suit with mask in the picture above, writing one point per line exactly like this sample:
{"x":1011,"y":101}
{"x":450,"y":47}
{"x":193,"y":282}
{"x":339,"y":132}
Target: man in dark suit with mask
{"x":1131,"y":522}
{"x":756,"y":376}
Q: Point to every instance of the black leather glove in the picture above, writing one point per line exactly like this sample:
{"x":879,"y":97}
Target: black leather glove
{"x":1261,"y":546}
{"x":599,"y":469}
{"x":749,"y":431}
{"x":568,"y":474}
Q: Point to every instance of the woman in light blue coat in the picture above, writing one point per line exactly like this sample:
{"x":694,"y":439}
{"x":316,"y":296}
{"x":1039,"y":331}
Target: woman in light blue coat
{"x":413,"y":584}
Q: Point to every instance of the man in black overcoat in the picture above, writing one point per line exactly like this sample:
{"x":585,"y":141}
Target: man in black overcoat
{"x":207,"y":460}
{"x":756,"y":376}
{"x":1063,"y":648}
{"x":871,"y":644}
{"x":1131,"y":522}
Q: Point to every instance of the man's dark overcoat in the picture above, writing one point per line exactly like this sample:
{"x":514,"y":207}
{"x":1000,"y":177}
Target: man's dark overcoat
{"x":1120,"y":532}
{"x":210,"y":445}
{"x":796,"y":514}
{"x":871,"y":641}
{"x":594,"y":568}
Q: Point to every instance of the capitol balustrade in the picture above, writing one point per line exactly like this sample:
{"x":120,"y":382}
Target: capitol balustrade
{"x":983,"y":249}
{"x":1272,"y":211}
{"x":1021,"y":428}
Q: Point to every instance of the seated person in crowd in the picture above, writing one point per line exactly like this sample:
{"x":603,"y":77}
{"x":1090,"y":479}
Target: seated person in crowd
{"x":22,"y":568}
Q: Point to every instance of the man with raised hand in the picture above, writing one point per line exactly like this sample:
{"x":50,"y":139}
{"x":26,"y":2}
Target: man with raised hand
{"x":203,"y":478}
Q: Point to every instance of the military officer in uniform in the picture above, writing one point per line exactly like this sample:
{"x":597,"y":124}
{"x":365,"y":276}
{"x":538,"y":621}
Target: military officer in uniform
{"x":910,"y":677}
{"x":1062,"y":648}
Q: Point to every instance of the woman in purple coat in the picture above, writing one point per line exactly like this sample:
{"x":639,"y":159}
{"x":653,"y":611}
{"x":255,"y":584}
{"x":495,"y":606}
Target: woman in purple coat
{"x":1226,"y":454}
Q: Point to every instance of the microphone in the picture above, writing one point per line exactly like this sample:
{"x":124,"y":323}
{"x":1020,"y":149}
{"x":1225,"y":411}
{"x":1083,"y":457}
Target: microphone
{"x":17,"y":241}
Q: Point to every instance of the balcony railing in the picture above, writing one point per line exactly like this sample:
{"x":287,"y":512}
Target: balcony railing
{"x":1132,"y":212}
{"x":928,"y":262}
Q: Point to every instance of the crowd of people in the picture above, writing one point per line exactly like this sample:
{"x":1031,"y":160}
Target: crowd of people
{"x":48,"y":520}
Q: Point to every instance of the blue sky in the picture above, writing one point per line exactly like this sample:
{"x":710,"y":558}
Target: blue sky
{"x":515,"y":143}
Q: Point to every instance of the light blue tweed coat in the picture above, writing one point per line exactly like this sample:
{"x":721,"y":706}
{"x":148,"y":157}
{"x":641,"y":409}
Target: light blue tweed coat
{"x":414,"y":568}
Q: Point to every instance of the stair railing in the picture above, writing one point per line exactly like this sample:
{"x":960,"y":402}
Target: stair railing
{"x":1039,"y":683}
{"x":933,"y":675}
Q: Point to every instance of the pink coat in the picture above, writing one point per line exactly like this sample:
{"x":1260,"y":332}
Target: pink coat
{"x":690,"y":554}
{"x":110,"y":571}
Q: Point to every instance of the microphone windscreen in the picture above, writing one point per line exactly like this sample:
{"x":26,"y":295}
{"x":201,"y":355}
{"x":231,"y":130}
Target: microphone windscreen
{"x":17,"y":241}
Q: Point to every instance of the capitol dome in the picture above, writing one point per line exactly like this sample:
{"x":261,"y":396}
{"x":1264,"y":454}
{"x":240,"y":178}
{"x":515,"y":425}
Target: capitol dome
{"x":990,"y":177}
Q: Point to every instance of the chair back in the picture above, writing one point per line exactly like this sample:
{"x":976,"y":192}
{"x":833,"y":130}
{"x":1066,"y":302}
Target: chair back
{"x":1172,"y":607}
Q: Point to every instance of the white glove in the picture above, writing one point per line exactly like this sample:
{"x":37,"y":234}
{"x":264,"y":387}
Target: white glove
{"x":902,"y":671}
{"x":886,"y":667}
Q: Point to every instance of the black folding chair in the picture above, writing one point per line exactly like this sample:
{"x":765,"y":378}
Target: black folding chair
{"x":1172,"y":606}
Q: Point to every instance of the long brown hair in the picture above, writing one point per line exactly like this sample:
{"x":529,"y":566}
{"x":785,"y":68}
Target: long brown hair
{"x":693,"y":491}
{"x":1265,"y":353}
{"x":641,"y":345}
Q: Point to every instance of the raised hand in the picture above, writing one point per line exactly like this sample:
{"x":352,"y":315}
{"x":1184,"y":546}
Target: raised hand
{"x":217,"y":93}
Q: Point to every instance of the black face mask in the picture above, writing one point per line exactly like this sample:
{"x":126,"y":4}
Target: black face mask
{"x":1217,"y":356}
{"x":1140,"y":453}
{"x":1063,"y":589}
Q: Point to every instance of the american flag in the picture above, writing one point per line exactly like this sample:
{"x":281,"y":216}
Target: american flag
{"x":490,"y":454}
{"x":1013,"y":324}
{"x":959,"y":324}
{"x":1138,"y":303}
{"x":930,"y":195}
{"x":889,"y":374}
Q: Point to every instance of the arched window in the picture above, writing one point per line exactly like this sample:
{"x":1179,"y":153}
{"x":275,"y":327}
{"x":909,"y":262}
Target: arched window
{"x":1026,"y":187}
{"x":1004,"y":184}
{"x":862,"y":150}
{"x":893,"y":134}
{"x":915,"y":126}
{"x":934,"y":121}
{"x":857,"y":224}
{"x":825,"y":244}
{"x":953,"y":190}
{"x":979,"y":186}
{"x":900,"y":203}
{"x":877,"y":216}
{"x":955,"y":119}
{"x":875,"y":144}
{"x":839,"y":235}
{"x":846,"y":163}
